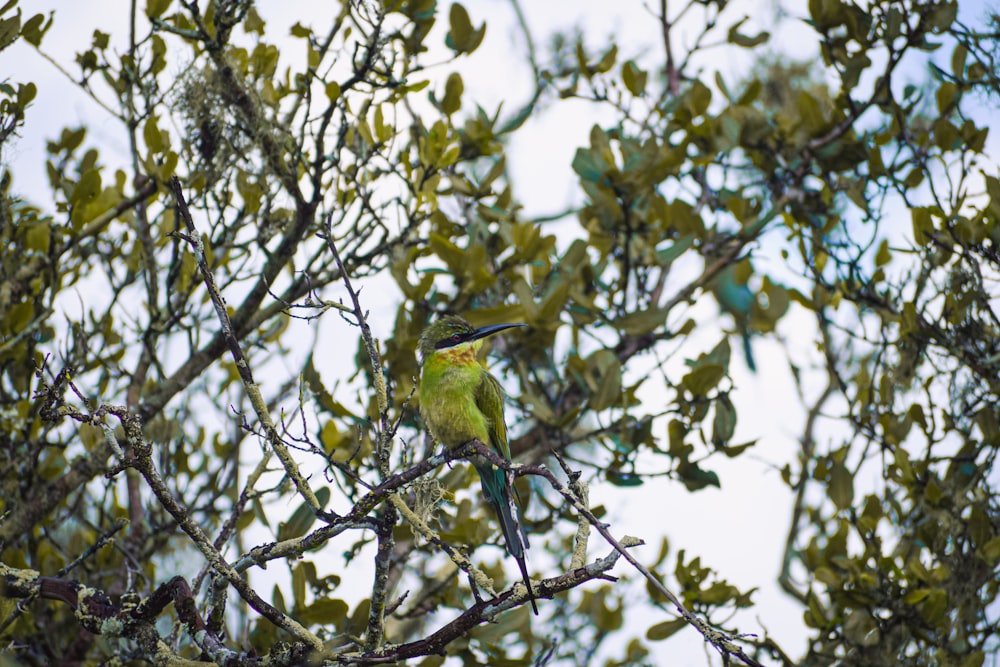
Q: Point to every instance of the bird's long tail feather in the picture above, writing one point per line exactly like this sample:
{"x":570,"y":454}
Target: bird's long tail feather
{"x":497,"y":489}
{"x":748,"y":351}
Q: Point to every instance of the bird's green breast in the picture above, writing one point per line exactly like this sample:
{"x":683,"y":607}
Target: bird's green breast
{"x":447,"y":401}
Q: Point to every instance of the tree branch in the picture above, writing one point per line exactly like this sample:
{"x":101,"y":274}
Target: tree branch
{"x":720,"y":640}
{"x":242,"y":365}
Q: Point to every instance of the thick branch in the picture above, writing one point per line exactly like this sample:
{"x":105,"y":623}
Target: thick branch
{"x":480,"y":613}
{"x":143,"y":462}
{"x":96,"y":612}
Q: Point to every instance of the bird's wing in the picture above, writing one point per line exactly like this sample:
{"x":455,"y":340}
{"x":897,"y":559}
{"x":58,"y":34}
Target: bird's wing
{"x":495,"y":482}
{"x":489,"y":400}
{"x":734,"y":296}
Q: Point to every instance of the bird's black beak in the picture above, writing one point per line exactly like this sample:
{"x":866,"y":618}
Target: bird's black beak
{"x":483,"y":332}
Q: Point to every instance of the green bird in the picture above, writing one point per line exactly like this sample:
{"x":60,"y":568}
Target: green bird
{"x":737,"y":299}
{"x":460,"y":401}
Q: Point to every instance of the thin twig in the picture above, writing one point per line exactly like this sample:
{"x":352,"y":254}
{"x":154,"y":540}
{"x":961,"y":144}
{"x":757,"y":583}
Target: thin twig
{"x":388,"y":514}
{"x":242,"y":365}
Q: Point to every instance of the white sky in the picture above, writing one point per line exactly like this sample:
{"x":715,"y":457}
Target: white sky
{"x":738,"y":530}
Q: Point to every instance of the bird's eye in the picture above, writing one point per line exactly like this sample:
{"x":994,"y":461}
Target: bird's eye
{"x":456,"y":337}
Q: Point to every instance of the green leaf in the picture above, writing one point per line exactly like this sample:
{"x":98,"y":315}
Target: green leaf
{"x":666,"y":256}
{"x":732,"y":451}
{"x":461,"y":26}
{"x":943,"y":15}
{"x":254,"y":23}
{"x":300,"y":31}
{"x":278,"y":599}
{"x":607,"y":61}
{"x":884,"y":255}
{"x":841,"y":486}
{"x":90,"y":436}
{"x":383,"y":131}
{"x":620,"y":478}
{"x":416,"y":87}
{"x":974,"y":659}
{"x":634,"y":78}
{"x":923,"y":225}
{"x":9,"y":29}
{"x":825,"y":14}
{"x":993,"y":189}
{"x":101,"y":40}
{"x":720,"y":354}
{"x":676,"y":431}
{"x":703,"y":379}
{"x":988,"y":422}
{"x":720,"y":83}
{"x":990,"y":552}
{"x":696,"y":478}
{"x":330,"y":436}
{"x":38,"y":236}
{"x":589,"y":166}
{"x":739,"y":39}
{"x":156,"y":8}
{"x":299,"y":576}
{"x":462,"y":37}
{"x":303,"y":517}
{"x":724,"y":422}
{"x":453,"y":89}
{"x":914,"y":178}
{"x":449,"y":253}
{"x":324,"y":611}
{"x":86,"y":188}
{"x":152,"y":136}
{"x":332,"y":91}
{"x":698,"y":98}
{"x":35,"y":28}
{"x":641,"y":321}
{"x":958,"y":57}
{"x":934,"y":606}
{"x":70,"y":140}
{"x":810,"y":112}
{"x":496,"y":170}
{"x":604,"y":369}
{"x":945,"y":96}
{"x":663,"y":630}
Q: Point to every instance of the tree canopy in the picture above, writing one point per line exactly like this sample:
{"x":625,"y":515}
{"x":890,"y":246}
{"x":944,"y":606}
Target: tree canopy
{"x":210,"y":454}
